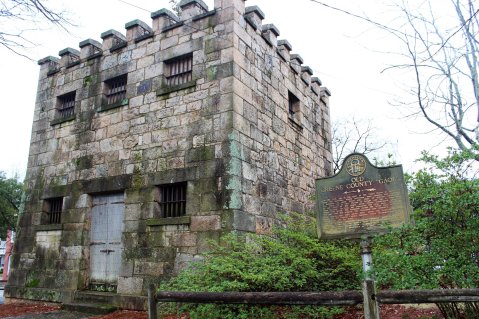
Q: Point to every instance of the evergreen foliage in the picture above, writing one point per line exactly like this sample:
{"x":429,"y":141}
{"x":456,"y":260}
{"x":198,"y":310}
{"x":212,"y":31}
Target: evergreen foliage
{"x":441,"y":248}
{"x":10,"y":197}
{"x":292,"y":258}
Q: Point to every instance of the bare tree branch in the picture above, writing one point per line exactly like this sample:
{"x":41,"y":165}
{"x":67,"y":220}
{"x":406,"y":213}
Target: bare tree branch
{"x":354,"y":136}
{"x":444,"y":60}
{"x":17,"y":17}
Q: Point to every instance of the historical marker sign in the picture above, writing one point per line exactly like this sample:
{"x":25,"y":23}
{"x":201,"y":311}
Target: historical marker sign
{"x":361,"y":199}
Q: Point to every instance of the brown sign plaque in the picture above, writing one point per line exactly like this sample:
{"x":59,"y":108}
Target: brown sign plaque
{"x":361,"y":199}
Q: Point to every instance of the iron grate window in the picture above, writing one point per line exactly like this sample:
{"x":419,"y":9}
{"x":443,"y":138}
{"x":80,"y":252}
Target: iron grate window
{"x":179,"y":70}
{"x":66,"y":107}
{"x":173,"y":200}
{"x":55,"y":206}
{"x":116,"y":89}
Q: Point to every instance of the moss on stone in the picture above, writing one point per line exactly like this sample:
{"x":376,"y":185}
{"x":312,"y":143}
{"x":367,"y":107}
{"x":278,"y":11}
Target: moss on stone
{"x":212,"y":73}
{"x":84,"y":162}
{"x":87,"y":80}
{"x":200,"y":154}
{"x":32,"y":283}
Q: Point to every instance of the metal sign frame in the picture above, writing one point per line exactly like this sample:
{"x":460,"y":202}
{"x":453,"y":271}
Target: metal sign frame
{"x":361,"y":199}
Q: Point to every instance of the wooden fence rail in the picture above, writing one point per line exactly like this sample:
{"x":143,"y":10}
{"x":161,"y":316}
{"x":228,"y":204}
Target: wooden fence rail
{"x":427,"y":296}
{"x":326,"y":298}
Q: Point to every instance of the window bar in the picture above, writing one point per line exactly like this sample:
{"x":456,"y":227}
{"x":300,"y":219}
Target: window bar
{"x":173,"y":200}
{"x":179,"y":71}
{"x":183,"y":201}
{"x":184,"y":66}
{"x":162,"y":202}
{"x":168,"y":202}
{"x":177,"y":200}
{"x":172,"y":203}
{"x":117,"y":90}
{"x":167,"y":205}
{"x":67,"y":106}
{"x":55,"y":211}
{"x":165,"y":202}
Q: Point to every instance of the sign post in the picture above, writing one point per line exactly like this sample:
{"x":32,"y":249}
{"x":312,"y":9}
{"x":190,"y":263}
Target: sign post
{"x":362,"y":200}
{"x":370,"y":304}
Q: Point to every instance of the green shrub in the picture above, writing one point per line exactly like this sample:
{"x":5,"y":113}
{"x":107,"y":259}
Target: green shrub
{"x":290,"y":259}
{"x":439,"y":250}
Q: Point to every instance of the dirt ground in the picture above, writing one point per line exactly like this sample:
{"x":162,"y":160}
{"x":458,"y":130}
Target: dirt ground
{"x":395,"y":312}
{"x":21,"y":309}
{"x":387,"y":312}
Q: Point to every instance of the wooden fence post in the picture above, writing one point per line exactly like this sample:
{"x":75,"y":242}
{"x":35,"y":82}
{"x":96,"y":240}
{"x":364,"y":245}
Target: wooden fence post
{"x":370,"y":303}
{"x":152,"y":302}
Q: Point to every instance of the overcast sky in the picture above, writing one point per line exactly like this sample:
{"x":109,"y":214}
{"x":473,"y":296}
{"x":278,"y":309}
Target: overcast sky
{"x":344,"y":52}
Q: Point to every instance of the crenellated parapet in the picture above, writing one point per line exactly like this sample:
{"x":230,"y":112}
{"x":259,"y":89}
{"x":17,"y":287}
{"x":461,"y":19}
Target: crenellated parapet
{"x":113,"y":40}
{"x":90,"y":49}
{"x":254,"y":16}
{"x":192,"y":8}
{"x":165,"y":20}
{"x":137,"y":31}
{"x":69,"y":57}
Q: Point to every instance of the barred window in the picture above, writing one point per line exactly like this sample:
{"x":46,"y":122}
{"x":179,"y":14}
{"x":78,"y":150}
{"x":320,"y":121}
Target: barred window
{"x":173,"y":200}
{"x":54,"y":208}
{"x":116,"y":89}
{"x":179,"y":70}
{"x":66,"y":105}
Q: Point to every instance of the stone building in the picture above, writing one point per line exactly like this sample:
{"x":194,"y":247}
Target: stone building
{"x":147,"y":145}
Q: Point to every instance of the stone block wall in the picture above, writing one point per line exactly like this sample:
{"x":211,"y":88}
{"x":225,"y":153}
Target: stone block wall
{"x":281,"y":154}
{"x":227,"y":133}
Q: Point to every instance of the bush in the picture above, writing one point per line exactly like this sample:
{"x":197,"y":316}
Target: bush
{"x":440,"y":250}
{"x":290,"y":259}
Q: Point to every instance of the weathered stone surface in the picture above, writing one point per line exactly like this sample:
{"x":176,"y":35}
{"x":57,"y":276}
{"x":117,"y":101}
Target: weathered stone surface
{"x":205,"y":223}
{"x":130,"y":285}
{"x":227,"y":133}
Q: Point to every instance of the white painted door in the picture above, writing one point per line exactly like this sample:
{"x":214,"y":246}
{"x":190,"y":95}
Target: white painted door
{"x":105,"y":241}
